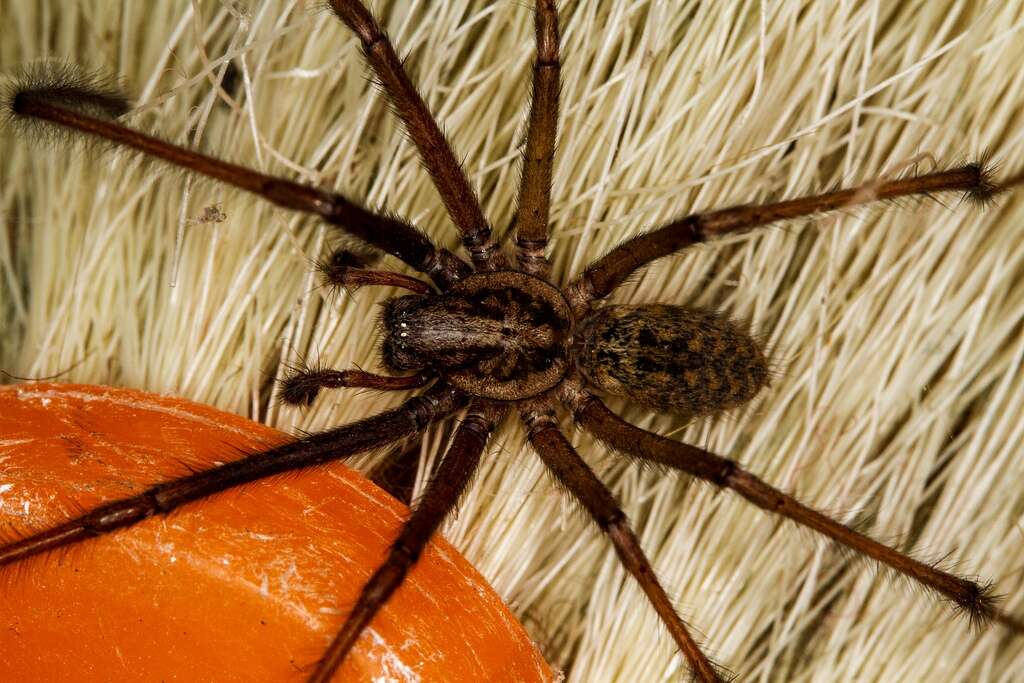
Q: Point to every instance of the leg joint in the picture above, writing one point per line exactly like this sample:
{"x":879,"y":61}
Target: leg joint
{"x":156,"y":502}
{"x":537,"y":421}
{"x":479,"y":425}
{"x":477,"y":238}
{"x":531,"y":246}
{"x":612,"y":520}
{"x":696,"y":227}
{"x":725,"y":474}
{"x":405,"y":551}
{"x":444,"y":267}
{"x":422,"y":411}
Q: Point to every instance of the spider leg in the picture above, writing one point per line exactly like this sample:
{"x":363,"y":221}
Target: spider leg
{"x":450,"y":180}
{"x":440,"y":497}
{"x":388,"y":234}
{"x":608,"y":272}
{"x":539,"y":153}
{"x":334,"y":444}
{"x":357,"y":277}
{"x":302,"y":386}
{"x":341,"y":271}
{"x":974,"y":599}
{"x":575,"y":475}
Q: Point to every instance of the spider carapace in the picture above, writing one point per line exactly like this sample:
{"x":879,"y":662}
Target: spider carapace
{"x":497,"y":339}
{"x":503,"y":335}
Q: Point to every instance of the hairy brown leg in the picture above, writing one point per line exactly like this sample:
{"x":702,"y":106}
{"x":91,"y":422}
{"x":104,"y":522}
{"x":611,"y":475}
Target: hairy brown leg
{"x":972,"y":598}
{"x":439,"y":498}
{"x":450,"y":180}
{"x":359,"y":277}
{"x":302,"y":386}
{"x":534,"y":210}
{"x":388,"y":234}
{"x":608,"y":272}
{"x":573,"y":473}
{"x":373,"y":432}
{"x":344,"y":270}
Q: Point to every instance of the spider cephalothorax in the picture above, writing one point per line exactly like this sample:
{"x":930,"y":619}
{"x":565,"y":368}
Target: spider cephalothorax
{"x":500,"y":335}
{"x":496,"y":335}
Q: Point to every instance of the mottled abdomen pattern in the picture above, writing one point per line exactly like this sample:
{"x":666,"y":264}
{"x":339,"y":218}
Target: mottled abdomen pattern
{"x":671,"y":358}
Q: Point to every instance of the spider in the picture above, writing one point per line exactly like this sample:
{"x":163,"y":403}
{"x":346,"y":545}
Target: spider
{"x":566,"y":386}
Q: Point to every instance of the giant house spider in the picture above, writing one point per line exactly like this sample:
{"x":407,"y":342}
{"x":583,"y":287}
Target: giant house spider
{"x":898,"y":328}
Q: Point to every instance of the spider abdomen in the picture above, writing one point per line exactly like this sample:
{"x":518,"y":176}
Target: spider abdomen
{"x":672,"y":358}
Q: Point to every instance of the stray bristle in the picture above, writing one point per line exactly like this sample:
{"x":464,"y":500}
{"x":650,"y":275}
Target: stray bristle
{"x":92,"y":92}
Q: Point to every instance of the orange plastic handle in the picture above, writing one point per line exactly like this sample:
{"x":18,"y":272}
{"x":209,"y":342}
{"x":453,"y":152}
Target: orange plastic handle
{"x":247,"y":586}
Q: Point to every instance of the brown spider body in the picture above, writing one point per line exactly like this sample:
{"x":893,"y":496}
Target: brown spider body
{"x":498,"y":338}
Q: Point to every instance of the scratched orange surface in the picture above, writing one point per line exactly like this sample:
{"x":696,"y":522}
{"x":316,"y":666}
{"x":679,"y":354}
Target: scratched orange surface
{"x":248,"y":586}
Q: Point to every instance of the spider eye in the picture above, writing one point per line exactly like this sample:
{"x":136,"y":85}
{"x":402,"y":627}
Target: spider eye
{"x":397,"y":320}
